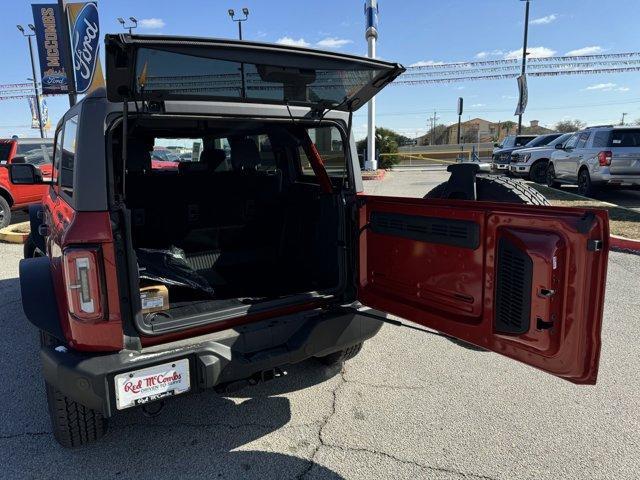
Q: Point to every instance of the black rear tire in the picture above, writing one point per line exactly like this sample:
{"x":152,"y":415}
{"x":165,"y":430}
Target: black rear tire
{"x":5,"y":212}
{"x":490,"y":188}
{"x":551,"y":177}
{"x":585,"y":187}
{"x":341,"y":356}
{"x":538,"y":171}
{"x":73,"y":424}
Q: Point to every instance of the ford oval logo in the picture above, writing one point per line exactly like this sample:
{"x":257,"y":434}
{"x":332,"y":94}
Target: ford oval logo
{"x":84,"y":41}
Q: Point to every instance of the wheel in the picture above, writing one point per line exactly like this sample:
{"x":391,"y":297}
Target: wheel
{"x":551,"y":177}
{"x":538,"y":171}
{"x":341,"y":356}
{"x":73,"y":424}
{"x":30,"y":250}
{"x":5,"y":212}
{"x":498,"y":189}
{"x":585,"y":187}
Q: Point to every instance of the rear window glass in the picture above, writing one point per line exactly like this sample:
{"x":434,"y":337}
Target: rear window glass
{"x":36,"y":153}
{"x":625,"y":138}
{"x":187,"y":75}
{"x":5,"y":150}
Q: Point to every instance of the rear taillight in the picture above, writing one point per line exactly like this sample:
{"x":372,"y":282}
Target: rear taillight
{"x":83,"y":278}
{"x":604,"y":158}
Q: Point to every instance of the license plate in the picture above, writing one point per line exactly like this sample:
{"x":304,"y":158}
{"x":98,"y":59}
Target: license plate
{"x":153,"y":383}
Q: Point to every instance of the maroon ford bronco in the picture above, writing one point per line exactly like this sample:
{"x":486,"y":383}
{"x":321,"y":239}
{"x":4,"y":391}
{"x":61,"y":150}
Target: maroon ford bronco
{"x":266,"y":252}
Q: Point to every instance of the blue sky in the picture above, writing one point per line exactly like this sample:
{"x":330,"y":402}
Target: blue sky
{"x":411,"y":31}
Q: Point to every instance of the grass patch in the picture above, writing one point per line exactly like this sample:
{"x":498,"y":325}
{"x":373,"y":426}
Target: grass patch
{"x":622,"y":221}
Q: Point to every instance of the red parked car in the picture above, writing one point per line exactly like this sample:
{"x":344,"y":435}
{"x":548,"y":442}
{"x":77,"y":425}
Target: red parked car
{"x":35,"y":151}
{"x":147,"y":285}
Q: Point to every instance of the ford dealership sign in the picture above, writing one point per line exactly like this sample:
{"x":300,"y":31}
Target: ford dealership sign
{"x":84,"y":35}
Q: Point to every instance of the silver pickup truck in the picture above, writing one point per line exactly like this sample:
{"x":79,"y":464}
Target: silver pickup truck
{"x":531,"y":163}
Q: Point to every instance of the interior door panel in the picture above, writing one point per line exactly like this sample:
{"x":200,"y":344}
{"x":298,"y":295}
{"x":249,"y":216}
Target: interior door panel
{"x":523,"y":281}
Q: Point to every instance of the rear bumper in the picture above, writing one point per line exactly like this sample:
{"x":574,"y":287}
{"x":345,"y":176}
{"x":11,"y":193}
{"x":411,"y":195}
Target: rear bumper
{"x":214,"y":360}
{"x":614,"y":180}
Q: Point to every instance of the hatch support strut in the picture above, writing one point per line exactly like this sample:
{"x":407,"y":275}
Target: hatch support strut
{"x":317,"y":164}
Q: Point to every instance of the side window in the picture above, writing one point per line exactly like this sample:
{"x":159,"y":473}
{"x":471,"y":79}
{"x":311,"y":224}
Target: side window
{"x":68,"y":159}
{"x":36,"y":153}
{"x":582,"y":140}
{"x":57,"y":155}
{"x":328,"y":142}
{"x":571,"y":143}
{"x":601,"y":139}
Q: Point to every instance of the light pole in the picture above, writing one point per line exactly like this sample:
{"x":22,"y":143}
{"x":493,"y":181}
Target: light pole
{"x":524,"y":55}
{"x":371,"y":35}
{"x":131,"y":26}
{"x":239,"y":21}
{"x":33,"y":71}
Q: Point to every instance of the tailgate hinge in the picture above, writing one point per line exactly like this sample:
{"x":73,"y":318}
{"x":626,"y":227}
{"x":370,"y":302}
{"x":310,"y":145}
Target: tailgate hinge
{"x":594,"y":245}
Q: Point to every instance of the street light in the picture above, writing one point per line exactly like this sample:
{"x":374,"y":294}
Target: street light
{"x":33,"y":71}
{"x":239,"y":21}
{"x":134,"y":23}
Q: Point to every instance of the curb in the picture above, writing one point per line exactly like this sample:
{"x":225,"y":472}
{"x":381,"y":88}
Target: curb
{"x":9,"y":235}
{"x":377,"y":175}
{"x":622,"y":243}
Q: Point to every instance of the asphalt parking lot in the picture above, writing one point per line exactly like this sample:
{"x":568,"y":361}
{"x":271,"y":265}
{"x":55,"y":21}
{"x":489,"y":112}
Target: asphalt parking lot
{"x":410,"y":405}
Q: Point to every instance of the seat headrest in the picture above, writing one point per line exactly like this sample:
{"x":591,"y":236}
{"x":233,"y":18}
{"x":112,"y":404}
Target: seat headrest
{"x":244,"y":154}
{"x":192,"y":167}
{"x":212,"y":158}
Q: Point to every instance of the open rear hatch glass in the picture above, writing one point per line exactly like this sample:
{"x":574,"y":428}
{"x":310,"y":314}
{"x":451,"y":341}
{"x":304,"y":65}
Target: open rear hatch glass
{"x":186,"y":68}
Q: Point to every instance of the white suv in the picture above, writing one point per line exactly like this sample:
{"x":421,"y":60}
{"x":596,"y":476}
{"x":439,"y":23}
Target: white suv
{"x":531,"y":163}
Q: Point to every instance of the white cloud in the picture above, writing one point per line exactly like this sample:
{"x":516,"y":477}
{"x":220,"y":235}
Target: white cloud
{"x":544,"y":20}
{"x":607,"y":87}
{"x":425,"y":63}
{"x":509,"y":97}
{"x":485,"y":54}
{"x":478,"y":105}
{"x":151,"y":23}
{"x":301,"y":42}
{"x":534,"y":52}
{"x":594,"y":50}
{"x":333,"y":42}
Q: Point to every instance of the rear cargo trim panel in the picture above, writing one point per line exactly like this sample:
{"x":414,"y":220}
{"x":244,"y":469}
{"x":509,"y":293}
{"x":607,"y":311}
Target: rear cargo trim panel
{"x":457,"y":233}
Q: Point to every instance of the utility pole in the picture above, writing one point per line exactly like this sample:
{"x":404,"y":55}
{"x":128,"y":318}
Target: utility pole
{"x":433,"y":127}
{"x":33,"y":72}
{"x":371,"y":35}
{"x":624,"y":114}
{"x":524,"y":54}
{"x":239,"y":21}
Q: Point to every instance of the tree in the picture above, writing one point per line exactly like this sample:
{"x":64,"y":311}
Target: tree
{"x":387,"y":141}
{"x":507,"y":126}
{"x":566,"y":126}
{"x":436,"y":136}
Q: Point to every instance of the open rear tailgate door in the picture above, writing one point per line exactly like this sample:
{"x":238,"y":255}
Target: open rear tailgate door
{"x":187,"y":68}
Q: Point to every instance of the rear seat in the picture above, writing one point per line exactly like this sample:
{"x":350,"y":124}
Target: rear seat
{"x":233,"y":214}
